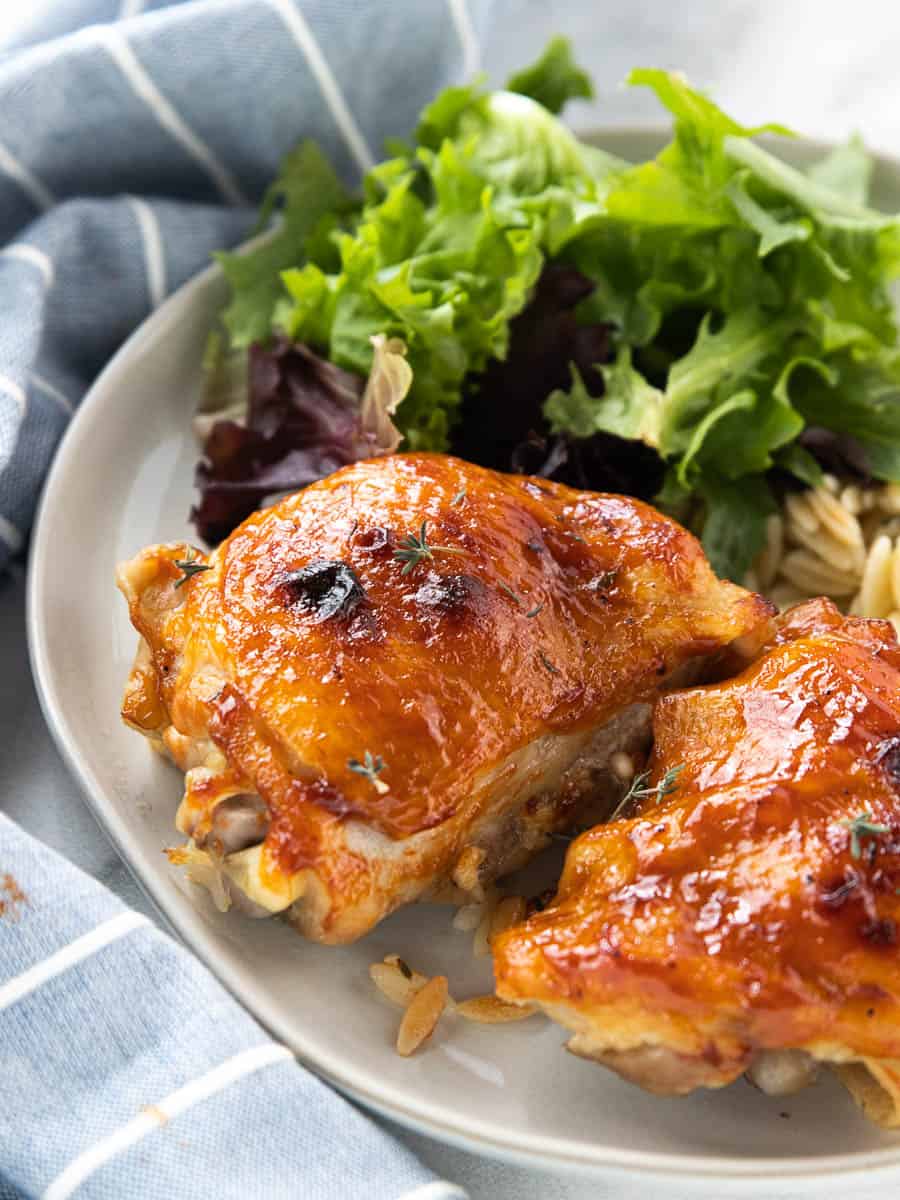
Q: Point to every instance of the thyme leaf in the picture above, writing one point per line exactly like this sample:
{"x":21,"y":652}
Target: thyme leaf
{"x":370,"y":767}
{"x":638,"y":790}
{"x":862,"y":826}
{"x":548,"y":664}
{"x":414,"y":550}
{"x":519,"y":602}
{"x":190,"y":567}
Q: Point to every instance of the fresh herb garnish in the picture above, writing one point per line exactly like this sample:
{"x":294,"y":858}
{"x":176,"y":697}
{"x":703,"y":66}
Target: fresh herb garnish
{"x":548,"y":664}
{"x":519,"y":602}
{"x":604,"y":581}
{"x":764,"y":339}
{"x":371,"y":767}
{"x":862,"y":826}
{"x":459,"y":497}
{"x":190,"y":567}
{"x":638,"y":789}
{"x":414,"y":550}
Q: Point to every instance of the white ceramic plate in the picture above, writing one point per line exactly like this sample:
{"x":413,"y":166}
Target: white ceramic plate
{"x":123,"y":478}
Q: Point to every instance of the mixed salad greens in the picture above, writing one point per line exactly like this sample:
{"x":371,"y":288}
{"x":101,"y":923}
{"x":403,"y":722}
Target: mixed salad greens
{"x":705,"y":329}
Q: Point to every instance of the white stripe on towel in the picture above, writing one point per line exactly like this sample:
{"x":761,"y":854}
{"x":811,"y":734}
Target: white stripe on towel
{"x":30,"y":254}
{"x":11,"y":535}
{"x":13,"y":390}
{"x":37,"y":192}
{"x":85,"y":946}
{"x":45,"y":386}
{"x":465,"y":31}
{"x":144,"y":88}
{"x":154,"y":262}
{"x":438,"y":1189}
{"x":216,"y":1080}
{"x":331,"y":93}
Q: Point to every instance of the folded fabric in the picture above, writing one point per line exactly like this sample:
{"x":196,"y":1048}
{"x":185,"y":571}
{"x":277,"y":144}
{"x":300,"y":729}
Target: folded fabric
{"x":137,"y":136}
{"x":127,"y":1071}
{"x":130,"y":149}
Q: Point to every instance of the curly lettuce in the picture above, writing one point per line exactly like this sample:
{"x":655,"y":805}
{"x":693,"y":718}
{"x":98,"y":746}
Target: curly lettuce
{"x":752,"y":304}
{"x":723,"y":311}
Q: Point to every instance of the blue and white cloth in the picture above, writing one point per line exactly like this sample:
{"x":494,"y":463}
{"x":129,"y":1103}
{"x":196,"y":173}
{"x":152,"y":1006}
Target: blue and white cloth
{"x":128,"y":1073}
{"x":135,"y":138}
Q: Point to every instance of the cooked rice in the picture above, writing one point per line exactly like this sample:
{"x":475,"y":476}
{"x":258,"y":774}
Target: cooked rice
{"x":468,"y":917}
{"x":491,"y":1010}
{"x":622,"y":766}
{"x":397,"y":981}
{"x":510,"y":911}
{"x":838,"y":541}
{"x":481,"y":943}
{"x":422,"y":1015}
{"x":204,"y":870}
{"x":466,"y":873}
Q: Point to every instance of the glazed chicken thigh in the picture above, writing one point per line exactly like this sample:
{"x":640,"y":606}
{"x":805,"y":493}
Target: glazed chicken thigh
{"x":396,"y":683}
{"x":745,"y":918}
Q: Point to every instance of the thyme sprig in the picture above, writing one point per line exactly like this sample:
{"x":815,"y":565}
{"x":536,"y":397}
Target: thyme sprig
{"x":862,"y":826}
{"x":414,"y":550}
{"x":548,"y":665}
{"x":638,"y":789}
{"x":370,"y":767}
{"x":190,"y":567}
{"x":516,"y":598}
{"x":519,"y":602}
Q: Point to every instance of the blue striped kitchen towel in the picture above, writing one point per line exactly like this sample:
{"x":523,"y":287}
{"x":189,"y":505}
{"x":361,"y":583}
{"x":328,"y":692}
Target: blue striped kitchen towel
{"x":128,"y":1073}
{"x":135,"y":138}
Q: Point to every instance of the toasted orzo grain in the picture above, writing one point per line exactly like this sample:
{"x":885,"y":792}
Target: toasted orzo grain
{"x":422,"y":1015}
{"x":491,"y":1010}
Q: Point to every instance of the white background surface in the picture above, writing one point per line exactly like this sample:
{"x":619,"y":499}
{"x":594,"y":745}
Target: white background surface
{"x":826,"y":68}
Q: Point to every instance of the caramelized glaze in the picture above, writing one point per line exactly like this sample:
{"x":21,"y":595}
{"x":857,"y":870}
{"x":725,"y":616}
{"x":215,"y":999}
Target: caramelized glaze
{"x":737,"y":913}
{"x":539,"y":611}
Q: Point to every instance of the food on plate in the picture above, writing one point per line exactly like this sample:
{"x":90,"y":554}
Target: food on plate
{"x":745,"y":918}
{"x":838,"y":540}
{"x":400,"y":681}
{"x":707,"y":329}
{"x":424,"y":1001}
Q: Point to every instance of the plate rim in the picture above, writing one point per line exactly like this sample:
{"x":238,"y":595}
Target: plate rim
{"x":545,"y":1152}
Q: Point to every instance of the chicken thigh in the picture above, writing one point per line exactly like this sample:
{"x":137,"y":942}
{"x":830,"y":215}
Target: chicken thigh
{"x":398,"y":682}
{"x":745,"y":918}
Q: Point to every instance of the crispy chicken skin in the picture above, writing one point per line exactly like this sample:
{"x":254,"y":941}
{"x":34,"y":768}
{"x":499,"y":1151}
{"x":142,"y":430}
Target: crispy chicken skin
{"x":742,"y":922}
{"x":489,"y":678}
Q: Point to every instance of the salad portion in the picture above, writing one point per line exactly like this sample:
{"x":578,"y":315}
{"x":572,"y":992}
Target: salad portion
{"x":709,"y":329}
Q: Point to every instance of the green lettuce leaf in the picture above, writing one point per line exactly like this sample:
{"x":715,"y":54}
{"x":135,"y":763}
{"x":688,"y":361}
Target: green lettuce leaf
{"x":846,"y":170}
{"x":629,"y":406}
{"x":308,"y":194}
{"x":448,"y":245}
{"x":734,"y":528}
{"x":748,"y":298}
{"x":554,"y":79}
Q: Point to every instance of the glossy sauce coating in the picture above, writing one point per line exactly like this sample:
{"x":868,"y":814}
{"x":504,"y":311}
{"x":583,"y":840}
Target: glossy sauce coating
{"x":740,"y":912}
{"x":539,"y":609}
